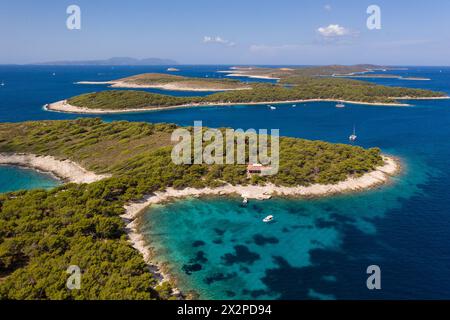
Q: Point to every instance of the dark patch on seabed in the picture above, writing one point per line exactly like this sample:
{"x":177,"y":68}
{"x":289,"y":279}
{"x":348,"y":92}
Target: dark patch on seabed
{"x":198,"y":243}
{"x":219,"y":232}
{"x":289,"y":282}
{"x":195,"y":264}
{"x":342,"y":273}
{"x":261,"y":240}
{"x":219,"y":277}
{"x":190,"y":268}
{"x":242,"y":255}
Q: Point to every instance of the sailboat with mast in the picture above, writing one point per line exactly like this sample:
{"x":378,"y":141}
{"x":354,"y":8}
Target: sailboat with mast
{"x":353,"y":137}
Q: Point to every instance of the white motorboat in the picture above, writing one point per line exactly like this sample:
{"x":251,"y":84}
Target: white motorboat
{"x":268,"y":219}
{"x":353,"y":137}
{"x":272,"y":108}
{"x":340,"y":105}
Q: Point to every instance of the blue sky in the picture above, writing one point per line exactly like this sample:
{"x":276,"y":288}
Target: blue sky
{"x":228,"y":32}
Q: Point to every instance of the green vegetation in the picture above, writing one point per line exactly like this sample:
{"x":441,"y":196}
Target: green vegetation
{"x":43,"y":232}
{"x":157,"y":79}
{"x":128,"y":99}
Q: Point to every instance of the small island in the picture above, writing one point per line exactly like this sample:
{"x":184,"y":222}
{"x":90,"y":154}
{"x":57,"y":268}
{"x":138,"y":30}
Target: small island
{"x":129,"y":167}
{"x":172,"y":82}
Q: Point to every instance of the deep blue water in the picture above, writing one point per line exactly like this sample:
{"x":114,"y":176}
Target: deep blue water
{"x":317,"y":248}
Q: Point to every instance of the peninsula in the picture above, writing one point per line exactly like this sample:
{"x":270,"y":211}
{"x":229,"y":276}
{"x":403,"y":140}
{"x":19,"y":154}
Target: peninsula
{"x":133,"y":169}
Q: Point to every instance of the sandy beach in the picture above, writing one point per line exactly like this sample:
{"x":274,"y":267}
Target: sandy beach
{"x":168,"y":86}
{"x":134,"y":210}
{"x":64,"y":169}
{"x":63,"y":106}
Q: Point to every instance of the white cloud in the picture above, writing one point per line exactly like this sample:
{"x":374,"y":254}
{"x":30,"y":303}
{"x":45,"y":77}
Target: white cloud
{"x":327,"y":7}
{"x":333,"y":30}
{"x":218,"y":40}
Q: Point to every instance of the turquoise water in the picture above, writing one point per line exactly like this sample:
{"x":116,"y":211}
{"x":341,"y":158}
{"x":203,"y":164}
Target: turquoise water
{"x":316,"y":248}
{"x":14,"y":178}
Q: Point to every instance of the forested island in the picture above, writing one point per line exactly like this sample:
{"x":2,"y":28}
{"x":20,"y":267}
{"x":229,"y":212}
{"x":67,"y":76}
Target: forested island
{"x":310,"y":71}
{"x":294,"y":85}
{"x":42,"y":232}
{"x":173,"y":82}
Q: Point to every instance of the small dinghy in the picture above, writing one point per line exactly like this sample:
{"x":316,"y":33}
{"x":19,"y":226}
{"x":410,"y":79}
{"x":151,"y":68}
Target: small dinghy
{"x":268,"y":219}
{"x":353,"y":137}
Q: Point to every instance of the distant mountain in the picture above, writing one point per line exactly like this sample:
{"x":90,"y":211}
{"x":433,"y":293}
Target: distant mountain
{"x":117,"y":61}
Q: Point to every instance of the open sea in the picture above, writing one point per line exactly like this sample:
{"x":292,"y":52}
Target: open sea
{"x":315,"y":249}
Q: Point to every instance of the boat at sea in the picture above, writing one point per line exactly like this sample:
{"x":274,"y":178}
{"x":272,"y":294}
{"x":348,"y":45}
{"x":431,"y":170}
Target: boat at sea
{"x":245,"y":201}
{"x":340,"y":105}
{"x":172,"y":69}
{"x":272,"y":107}
{"x":353,"y":136}
{"x":268,"y":219}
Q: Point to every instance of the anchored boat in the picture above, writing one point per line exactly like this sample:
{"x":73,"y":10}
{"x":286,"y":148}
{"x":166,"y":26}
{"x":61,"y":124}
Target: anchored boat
{"x":353,"y":137}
